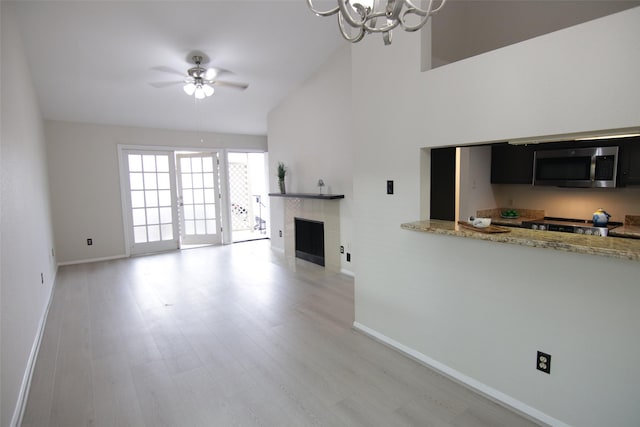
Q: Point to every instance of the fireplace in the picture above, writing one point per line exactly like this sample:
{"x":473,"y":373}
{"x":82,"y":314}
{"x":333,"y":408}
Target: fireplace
{"x":309,"y":238}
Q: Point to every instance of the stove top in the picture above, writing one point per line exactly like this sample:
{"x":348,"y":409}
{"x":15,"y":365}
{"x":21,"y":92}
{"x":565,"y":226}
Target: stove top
{"x":570,"y":225}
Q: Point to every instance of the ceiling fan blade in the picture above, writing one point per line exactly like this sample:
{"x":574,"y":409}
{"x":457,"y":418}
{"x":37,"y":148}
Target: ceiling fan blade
{"x":241,"y":86}
{"x":169,"y":70}
{"x":160,"y":85}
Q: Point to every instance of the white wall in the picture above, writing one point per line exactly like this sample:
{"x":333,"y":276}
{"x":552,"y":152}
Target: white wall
{"x":310,"y":132}
{"x":483,"y":308}
{"x":27,"y":237}
{"x":85,"y":180}
{"x":476,"y":191}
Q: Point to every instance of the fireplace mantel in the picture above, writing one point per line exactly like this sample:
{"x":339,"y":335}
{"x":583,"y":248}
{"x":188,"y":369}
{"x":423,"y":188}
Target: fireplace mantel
{"x":309,"y":196}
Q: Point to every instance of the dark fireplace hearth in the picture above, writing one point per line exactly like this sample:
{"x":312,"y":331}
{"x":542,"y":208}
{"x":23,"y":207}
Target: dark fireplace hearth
{"x":310,"y":240}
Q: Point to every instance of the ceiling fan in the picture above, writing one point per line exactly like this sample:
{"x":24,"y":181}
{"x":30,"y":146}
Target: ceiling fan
{"x":199,"y":81}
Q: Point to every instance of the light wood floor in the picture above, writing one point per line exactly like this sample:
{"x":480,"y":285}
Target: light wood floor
{"x":225,"y":336}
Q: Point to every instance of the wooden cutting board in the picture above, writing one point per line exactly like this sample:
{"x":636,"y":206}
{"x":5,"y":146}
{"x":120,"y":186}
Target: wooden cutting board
{"x":492,"y":229}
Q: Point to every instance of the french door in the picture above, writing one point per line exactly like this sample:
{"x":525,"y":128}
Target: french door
{"x":199,"y":199}
{"x":152,"y":201}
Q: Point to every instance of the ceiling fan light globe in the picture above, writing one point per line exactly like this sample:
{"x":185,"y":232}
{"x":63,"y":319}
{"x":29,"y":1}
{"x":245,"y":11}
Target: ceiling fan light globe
{"x":208,"y":90}
{"x":189,"y":88}
{"x":210,"y":74}
{"x":200,"y":94}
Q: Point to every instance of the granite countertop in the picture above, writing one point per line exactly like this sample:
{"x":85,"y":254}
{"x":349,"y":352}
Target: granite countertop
{"x":525,"y":215}
{"x":614,"y":247}
{"x":631,"y":228}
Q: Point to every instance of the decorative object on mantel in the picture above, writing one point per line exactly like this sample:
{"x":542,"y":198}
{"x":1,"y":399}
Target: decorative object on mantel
{"x":359,"y":17}
{"x":282,"y":172}
{"x":320,"y":185}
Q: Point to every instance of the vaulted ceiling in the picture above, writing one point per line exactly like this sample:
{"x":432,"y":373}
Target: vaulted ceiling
{"x":93,"y":61}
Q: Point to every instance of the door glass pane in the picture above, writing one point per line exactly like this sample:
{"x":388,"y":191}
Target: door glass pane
{"x":139,"y":217}
{"x":150,"y":181}
{"x":154,"y":233}
{"x":164,"y":198}
{"x":135,"y":181}
{"x":165,"y":216}
{"x":186,"y":180}
{"x":198,"y":196}
{"x":196,"y":164}
{"x":199,"y":211}
{"x":187,"y":197}
{"x":140,"y":234}
{"x":211,"y":226}
{"x":135,"y":163}
{"x":162,"y":163}
{"x":151,"y":198}
{"x":153,"y":216}
{"x":188,"y":212}
{"x":164,"y":182}
{"x":197,"y":180}
{"x":149,"y":163}
{"x":209,"y":195}
{"x":207,"y":164}
{"x":189,"y":227}
{"x":137,"y":199}
{"x":201,"y":228}
{"x":208,"y":180}
{"x":167,"y":231}
{"x":210,"y":211}
{"x":185,"y":165}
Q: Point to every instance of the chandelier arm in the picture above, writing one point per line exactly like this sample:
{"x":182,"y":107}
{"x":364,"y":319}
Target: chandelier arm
{"x":394,"y":7}
{"x":321,"y":13}
{"x":344,"y":12}
{"x":354,"y":39}
{"x":387,"y":27}
{"x":416,"y":27}
{"x":430,"y":10}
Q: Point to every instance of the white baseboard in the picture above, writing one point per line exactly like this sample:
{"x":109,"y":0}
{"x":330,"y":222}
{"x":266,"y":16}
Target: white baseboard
{"x":347,"y":272}
{"x":86,"y":261}
{"x":21,"y":404}
{"x":463,"y":379}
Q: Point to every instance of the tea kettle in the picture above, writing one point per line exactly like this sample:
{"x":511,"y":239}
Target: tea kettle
{"x":600,"y":217}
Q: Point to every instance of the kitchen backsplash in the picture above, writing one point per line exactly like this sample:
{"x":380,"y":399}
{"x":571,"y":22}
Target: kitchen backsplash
{"x":570,"y":202}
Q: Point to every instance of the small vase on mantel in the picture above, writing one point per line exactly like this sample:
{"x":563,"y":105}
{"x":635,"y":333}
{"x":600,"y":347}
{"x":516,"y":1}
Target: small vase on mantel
{"x":281,"y":173}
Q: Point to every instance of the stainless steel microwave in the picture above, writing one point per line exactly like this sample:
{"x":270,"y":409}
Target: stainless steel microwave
{"x":576,"y":167}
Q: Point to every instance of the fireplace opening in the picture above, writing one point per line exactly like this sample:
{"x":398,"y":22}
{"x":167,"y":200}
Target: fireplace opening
{"x":310,"y":240}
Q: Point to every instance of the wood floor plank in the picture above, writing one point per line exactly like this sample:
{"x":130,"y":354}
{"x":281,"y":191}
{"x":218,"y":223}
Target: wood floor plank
{"x":229,"y":336}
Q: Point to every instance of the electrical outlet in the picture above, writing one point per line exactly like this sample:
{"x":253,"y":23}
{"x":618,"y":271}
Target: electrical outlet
{"x":280,"y":233}
{"x":341,"y":249}
{"x":389,"y":187}
{"x":89,"y":242}
{"x":42,"y":278}
{"x":543,"y":362}
{"x":348,"y":257}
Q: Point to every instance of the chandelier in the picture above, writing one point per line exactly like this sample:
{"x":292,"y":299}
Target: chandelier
{"x":199,"y":82}
{"x":359,"y":17}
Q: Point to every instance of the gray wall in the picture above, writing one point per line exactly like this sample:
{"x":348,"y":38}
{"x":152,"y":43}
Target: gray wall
{"x":479,"y":310}
{"x":482,"y":309}
{"x":27,"y":237}
{"x":85,"y":180}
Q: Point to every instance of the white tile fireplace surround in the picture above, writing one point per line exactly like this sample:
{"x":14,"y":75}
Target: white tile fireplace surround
{"x":325,"y":210}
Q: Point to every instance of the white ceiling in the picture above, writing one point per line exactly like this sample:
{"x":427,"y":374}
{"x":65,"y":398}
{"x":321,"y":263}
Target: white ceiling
{"x":92,"y":61}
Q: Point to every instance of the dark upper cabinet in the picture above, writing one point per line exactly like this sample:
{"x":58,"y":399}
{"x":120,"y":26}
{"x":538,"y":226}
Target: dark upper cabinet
{"x":511,"y":164}
{"x":443,"y":183}
{"x":629,"y":165}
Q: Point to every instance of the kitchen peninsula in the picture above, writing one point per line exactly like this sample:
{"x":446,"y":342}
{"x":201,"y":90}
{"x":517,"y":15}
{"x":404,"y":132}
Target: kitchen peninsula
{"x":613,"y":247}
